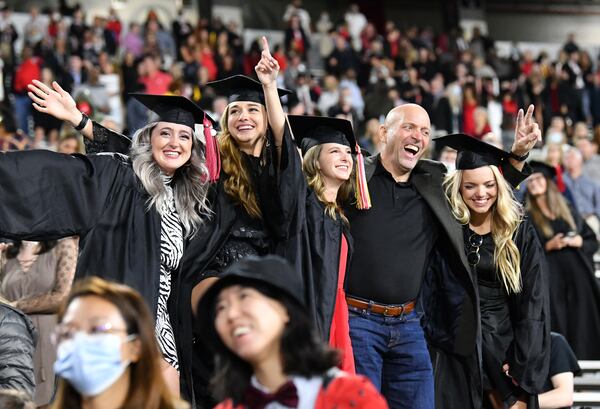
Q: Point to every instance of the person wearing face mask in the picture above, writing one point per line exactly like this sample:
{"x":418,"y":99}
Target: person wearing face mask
{"x":135,"y":214}
{"x":266,"y":352}
{"x":251,"y":153}
{"x":569,"y":245}
{"x":107,"y":356}
{"x":507,"y":264}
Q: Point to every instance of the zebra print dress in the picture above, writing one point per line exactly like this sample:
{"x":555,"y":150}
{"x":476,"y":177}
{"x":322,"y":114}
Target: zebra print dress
{"x":171,"y":250}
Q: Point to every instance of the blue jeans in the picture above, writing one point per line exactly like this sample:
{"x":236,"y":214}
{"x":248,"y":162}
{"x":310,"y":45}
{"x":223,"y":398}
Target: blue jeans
{"x":23,"y":112}
{"x":393,"y":354}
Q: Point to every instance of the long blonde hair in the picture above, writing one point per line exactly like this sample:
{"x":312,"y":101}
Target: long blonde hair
{"x":556,"y":202}
{"x":237,"y":181}
{"x":314,"y":180}
{"x":507,"y":214}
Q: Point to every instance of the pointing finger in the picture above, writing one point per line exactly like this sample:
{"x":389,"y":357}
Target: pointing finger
{"x":265,"y":44}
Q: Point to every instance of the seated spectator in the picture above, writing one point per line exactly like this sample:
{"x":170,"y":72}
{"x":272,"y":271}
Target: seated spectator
{"x":18,"y":338}
{"x":330,"y":95}
{"x":482,"y":126}
{"x":586,"y":192}
{"x":266,"y":349}
{"x":69,"y":143}
{"x":36,"y":278}
{"x":132,"y":41}
{"x":11,"y":399}
{"x":155,"y":81}
{"x":110,"y":325}
{"x":591,"y":159}
{"x":563,"y":367}
{"x":296,"y":39}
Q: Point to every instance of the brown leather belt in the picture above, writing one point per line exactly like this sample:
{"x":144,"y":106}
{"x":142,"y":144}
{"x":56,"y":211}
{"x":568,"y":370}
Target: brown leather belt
{"x":386,"y":310}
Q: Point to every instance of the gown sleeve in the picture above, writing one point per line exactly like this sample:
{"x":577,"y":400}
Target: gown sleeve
{"x":529,"y":354}
{"x":281,"y":187}
{"x":46,"y":195}
{"x":106,"y":140}
{"x":512,"y":175}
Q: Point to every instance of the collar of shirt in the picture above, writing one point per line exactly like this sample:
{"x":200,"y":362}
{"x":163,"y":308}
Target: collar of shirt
{"x":381,"y":170}
{"x":307,"y":388}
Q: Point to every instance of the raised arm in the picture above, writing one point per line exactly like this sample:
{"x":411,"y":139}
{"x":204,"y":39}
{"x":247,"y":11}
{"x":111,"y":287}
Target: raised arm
{"x":267,"y":70}
{"x":47,"y":196}
{"x":527,"y":134}
{"x":59,"y":103}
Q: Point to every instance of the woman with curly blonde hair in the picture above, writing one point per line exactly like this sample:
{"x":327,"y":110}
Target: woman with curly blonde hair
{"x":507,"y":264}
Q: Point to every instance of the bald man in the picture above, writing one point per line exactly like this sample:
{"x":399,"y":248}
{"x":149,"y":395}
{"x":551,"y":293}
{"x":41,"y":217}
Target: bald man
{"x":408,"y":224}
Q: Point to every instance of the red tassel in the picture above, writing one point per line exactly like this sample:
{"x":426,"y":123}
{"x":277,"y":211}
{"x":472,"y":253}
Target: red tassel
{"x":560,"y":182}
{"x":363,"y":199}
{"x":213,"y":158}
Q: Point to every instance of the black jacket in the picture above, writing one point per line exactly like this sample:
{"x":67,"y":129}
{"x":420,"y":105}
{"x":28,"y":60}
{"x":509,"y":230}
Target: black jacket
{"x":18,"y":338}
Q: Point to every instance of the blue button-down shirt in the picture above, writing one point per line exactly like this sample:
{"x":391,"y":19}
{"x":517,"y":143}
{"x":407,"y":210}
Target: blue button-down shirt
{"x":586,"y":194}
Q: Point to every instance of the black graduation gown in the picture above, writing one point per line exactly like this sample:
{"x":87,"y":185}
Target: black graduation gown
{"x":47,"y":195}
{"x":309,"y":238}
{"x":524,"y":344}
{"x":574,"y":291}
{"x":200,"y":251}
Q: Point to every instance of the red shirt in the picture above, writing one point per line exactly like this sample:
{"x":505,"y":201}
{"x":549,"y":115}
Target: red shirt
{"x":158,"y":83}
{"x":28,"y":71}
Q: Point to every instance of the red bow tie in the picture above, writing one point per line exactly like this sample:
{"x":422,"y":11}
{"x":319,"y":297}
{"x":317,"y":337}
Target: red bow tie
{"x":286,"y":395}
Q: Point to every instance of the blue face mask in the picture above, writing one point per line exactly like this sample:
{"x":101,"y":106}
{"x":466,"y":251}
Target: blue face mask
{"x":91,"y":363}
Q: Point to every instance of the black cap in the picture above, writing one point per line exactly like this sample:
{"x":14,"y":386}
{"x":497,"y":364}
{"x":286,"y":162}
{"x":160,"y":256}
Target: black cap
{"x":311,"y":131}
{"x":270,"y":270}
{"x":472,"y":153}
{"x":242,"y":88}
{"x":548,"y":171}
{"x":174,"y":108}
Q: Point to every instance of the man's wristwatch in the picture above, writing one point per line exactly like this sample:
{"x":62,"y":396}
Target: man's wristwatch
{"x":517,"y":157}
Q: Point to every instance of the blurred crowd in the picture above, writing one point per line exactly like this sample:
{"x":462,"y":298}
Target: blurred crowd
{"x":346,"y":68}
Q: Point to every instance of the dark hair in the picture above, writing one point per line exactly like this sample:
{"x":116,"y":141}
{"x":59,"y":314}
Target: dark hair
{"x":146,"y":388}
{"x":303,"y":353}
{"x":45,"y":246}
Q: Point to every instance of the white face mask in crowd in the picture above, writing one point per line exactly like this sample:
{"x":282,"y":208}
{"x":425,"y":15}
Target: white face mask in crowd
{"x":91,"y":362}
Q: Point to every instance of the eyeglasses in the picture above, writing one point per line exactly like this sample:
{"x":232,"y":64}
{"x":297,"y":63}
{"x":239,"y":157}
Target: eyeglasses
{"x":66,"y":332}
{"x":475,"y":241}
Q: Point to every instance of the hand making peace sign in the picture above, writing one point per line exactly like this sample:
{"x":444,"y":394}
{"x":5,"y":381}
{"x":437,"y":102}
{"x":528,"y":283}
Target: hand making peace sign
{"x":527,"y":132}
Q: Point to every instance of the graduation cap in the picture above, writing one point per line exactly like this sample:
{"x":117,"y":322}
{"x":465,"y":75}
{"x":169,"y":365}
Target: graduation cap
{"x":242,"y":88}
{"x":180,"y":110}
{"x":553,"y":173}
{"x":473,"y":153}
{"x":543,"y":168}
{"x":311,"y":131}
{"x":174,"y":108}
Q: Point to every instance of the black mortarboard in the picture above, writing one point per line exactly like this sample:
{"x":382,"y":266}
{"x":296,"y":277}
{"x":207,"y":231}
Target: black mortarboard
{"x":242,"y":88}
{"x":540,"y":167}
{"x":174,"y":108}
{"x":472,"y":153}
{"x":311,"y":131}
{"x":270,"y":270}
